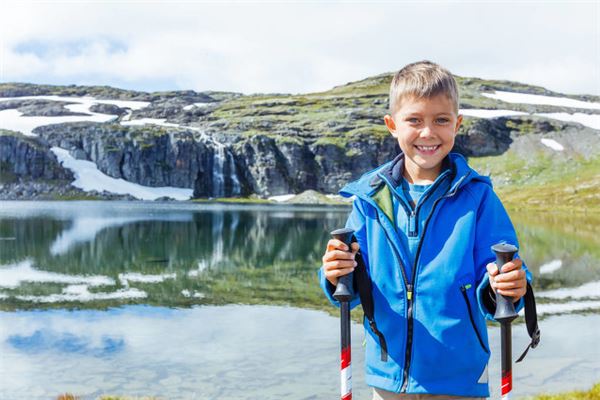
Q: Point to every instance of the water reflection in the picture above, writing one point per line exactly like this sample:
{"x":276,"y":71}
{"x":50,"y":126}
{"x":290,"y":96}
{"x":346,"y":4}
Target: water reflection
{"x":103,"y":253}
{"x":238,"y":352}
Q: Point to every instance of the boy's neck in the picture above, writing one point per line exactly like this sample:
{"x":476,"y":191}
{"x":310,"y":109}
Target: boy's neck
{"x":418,"y":176}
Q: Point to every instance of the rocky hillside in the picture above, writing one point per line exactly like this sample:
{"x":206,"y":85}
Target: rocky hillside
{"x":231,"y":145}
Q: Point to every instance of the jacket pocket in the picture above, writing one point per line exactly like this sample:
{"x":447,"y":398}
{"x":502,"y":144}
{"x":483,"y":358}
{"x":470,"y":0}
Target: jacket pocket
{"x":465,"y":295}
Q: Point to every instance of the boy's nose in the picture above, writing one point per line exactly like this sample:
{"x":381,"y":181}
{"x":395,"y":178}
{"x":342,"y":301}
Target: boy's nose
{"x":427,"y":131}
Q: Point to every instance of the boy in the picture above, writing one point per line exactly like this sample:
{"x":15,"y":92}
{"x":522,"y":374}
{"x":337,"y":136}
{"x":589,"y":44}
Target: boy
{"x":424,"y":224}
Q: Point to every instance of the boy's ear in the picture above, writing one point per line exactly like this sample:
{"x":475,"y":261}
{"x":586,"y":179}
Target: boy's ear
{"x":458,"y":122}
{"x":390,"y":124}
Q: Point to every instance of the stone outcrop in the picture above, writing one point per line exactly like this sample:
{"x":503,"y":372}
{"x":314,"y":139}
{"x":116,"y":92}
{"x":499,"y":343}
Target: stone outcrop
{"x":29,"y":158}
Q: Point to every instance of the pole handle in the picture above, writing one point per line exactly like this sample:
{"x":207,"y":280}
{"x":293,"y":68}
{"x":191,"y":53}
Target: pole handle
{"x":344,"y":289}
{"x":505,"y":308}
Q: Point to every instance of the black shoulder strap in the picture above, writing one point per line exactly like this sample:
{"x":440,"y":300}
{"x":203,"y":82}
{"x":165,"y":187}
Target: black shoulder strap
{"x":362,"y":282}
{"x":531,"y":321}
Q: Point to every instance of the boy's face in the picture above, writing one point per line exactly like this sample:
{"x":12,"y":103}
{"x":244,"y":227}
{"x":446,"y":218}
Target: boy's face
{"x":425,"y":129}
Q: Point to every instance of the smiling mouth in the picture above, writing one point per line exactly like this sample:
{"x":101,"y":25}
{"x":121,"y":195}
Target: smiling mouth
{"x":428,"y":149}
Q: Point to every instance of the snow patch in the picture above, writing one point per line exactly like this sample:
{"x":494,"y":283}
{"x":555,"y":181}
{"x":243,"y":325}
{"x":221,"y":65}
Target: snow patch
{"x":550,"y":267}
{"x":553,"y":144}
{"x":561,"y":308}
{"x":281,"y":198}
{"x":189,"y":107}
{"x":88,"y":178}
{"x":480,"y":113}
{"x":83,"y":295}
{"x":588,"y":290}
{"x":144,"y":278}
{"x":150,"y":121}
{"x":197,"y":295}
{"x":84,"y":230}
{"x":589,"y":120}
{"x":86,"y":101}
{"x":14,"y":120}
{"x":524,"y":98}
{"x":12,"y":275}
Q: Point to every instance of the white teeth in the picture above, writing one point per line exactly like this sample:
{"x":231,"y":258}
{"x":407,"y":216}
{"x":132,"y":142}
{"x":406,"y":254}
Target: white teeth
{"x":427,"y":148}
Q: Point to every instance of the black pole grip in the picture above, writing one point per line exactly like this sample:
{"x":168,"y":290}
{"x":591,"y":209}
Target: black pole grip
{"x":344,"y":290}
{"x":505,"y":309}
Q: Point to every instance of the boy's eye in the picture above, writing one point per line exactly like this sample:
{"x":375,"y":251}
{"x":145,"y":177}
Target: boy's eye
{"x":443,"y":120}
{"x":413,"y":120}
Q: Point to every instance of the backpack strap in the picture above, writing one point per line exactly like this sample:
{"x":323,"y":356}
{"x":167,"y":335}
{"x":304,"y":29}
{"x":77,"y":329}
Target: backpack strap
{"x":363,"y":282}
{"x":531,"y":321}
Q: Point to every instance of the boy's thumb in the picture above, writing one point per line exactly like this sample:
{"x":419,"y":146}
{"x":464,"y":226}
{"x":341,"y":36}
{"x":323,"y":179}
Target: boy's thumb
{"x":355,"y":247}
{"x":492,"y":269}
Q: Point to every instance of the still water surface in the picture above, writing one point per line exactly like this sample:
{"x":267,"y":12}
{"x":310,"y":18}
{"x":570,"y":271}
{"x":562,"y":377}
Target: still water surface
{"x":146,"y":299}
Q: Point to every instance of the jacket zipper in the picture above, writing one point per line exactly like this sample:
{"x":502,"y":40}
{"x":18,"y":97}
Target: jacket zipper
{"x":410,"y":287}
{"x":414,"y":275}
{"x":413,"y":214}
{"x":463,"y":289}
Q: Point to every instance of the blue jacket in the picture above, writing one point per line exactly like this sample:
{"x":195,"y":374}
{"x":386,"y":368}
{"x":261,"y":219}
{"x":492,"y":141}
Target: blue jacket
{"x":432,"y":312}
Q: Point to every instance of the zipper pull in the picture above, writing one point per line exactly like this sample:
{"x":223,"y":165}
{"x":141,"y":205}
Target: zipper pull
{"x":409,"y":292}
{"x":412,"y":224}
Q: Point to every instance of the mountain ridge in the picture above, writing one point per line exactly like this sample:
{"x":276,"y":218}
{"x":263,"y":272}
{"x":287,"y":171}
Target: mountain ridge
{"x":273,"y":144}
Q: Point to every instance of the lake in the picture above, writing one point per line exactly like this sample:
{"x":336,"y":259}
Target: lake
{"x":207,"y":301}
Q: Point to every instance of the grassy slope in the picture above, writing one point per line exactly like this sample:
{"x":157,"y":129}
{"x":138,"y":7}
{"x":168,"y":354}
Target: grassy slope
{"x":543,"y":183}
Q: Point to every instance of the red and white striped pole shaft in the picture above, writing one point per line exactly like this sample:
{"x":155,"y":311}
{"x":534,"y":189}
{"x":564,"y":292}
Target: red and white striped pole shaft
{"x":346,"y":358}
{"x":343,"y":294}
{"x":506,"y":349}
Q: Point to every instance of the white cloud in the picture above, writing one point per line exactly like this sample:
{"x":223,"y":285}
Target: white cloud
{"x":296,"y":47}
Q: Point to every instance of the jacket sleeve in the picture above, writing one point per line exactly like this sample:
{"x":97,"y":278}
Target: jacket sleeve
{"x":356,"y":221}
{"x":493,"y":226}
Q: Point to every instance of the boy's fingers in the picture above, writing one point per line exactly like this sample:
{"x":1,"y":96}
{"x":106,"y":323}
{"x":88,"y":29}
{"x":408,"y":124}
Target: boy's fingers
{"x":355,"y":247}
{"x":492,"y":269}
{"x":512,"y":265}
{"x":518,"y":275}
{"x":337,"y":255}
{"x":338,"y":264}
{"x":509,"y":285}
{"x":334,"y":244}
{"x":334,"y":275}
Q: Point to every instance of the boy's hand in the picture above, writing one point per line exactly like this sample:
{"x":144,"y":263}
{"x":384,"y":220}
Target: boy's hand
{"x":511,"y":282}
{"x":337,"y":261}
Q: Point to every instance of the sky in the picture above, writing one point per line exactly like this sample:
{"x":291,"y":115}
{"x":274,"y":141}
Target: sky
{"x":295,"y":47}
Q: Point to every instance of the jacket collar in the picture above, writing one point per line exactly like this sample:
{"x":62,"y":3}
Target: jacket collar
{"x":395,"y":170}
{"x":372,"y":181}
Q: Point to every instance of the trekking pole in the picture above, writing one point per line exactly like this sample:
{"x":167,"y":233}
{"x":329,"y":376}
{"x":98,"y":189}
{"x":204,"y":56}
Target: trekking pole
{"x":343,"y":294}
{"x":505,"y":314}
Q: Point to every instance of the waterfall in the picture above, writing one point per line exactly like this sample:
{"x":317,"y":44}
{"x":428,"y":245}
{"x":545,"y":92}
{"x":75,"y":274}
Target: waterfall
{"x":218,"y":174}
{"x":224,"y":171}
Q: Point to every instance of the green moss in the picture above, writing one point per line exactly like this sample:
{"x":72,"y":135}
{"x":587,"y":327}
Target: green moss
{"x":339,"y":141}
{"x":284,"y":139}
{"x":542,"y":182}
{"x":32,"y":141}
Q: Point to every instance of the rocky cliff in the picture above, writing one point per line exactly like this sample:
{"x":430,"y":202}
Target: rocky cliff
{"x":227,"y":144}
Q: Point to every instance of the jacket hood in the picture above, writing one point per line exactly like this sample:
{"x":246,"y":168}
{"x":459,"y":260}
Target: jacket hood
{"x":392,"y":171}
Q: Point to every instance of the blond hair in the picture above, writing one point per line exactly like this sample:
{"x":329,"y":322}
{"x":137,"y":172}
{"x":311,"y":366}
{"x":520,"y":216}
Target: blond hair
{"x":423,"y":79}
